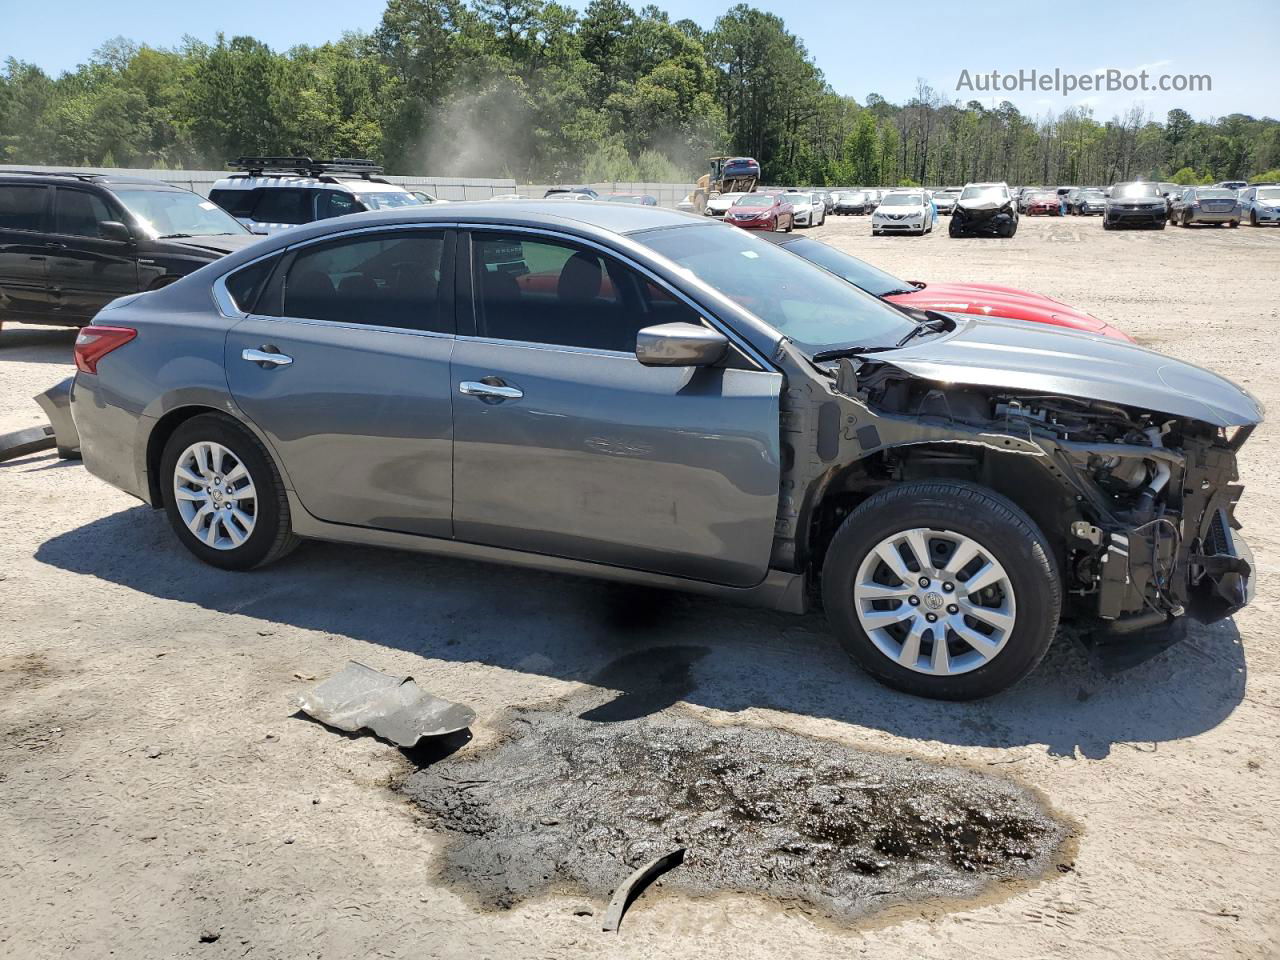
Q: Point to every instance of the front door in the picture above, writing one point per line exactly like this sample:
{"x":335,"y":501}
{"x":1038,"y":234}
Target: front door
{"x":354,"y":395}
{"x":564,"y":444}
{"x":24,"y":284}
{"x":87,"y":271}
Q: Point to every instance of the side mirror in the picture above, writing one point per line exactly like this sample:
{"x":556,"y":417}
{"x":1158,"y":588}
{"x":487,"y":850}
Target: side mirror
{"x":680,"y":345}
{"x":114,"y":230}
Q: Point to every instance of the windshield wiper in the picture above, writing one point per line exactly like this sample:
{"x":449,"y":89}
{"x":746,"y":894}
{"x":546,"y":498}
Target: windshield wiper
{"x":937,"y":323}
{"x":172,"y":236}
{"x":853,"y":350}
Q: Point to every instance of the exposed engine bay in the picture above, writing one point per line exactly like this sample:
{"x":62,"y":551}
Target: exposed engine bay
{"x":1138,"y":504}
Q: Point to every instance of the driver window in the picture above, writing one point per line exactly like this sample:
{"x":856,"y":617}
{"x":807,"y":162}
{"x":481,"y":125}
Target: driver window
{"x":78,"y":213}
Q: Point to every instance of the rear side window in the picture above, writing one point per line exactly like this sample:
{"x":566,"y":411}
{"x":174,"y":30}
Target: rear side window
{"x":391,"y":280}
{"x":22,"y":206}
{"x":238,"y":203}
{"x":77,"y":213}
{"x":283,"y":205}
{"x":335,"y":203}
{"x":245,"y":285}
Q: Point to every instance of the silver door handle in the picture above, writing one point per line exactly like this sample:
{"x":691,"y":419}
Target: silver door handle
{"x":266,"y":359}
{"x":477,"y":388}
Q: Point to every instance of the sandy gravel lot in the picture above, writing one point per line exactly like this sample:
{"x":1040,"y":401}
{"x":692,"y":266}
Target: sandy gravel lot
{"x":160,"y":799}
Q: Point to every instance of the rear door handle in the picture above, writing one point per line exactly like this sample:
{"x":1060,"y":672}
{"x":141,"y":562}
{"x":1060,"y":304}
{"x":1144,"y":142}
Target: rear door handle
{"x":266,"y":358}
{"x":489,"y":391}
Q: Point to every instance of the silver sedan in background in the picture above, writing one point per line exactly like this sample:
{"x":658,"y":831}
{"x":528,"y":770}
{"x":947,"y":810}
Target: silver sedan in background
{"x":810,"y":210}
{"x":1260,"y":204}
{"x":1216,"y":205}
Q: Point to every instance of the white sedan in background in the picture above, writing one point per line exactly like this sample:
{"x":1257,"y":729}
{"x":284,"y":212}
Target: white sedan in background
{"x":809,"y":208}
{"x":903,"y":211}
{"x":719,"y":204}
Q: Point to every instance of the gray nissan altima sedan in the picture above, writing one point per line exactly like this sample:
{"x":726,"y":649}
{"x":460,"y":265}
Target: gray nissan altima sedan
{"x":648,"y":396}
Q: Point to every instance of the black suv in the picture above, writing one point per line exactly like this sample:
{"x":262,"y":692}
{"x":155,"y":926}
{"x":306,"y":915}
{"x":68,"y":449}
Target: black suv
{"x":71,"y":242}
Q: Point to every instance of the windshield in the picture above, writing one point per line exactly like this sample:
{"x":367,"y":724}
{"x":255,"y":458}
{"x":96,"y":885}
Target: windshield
{"x":168,"y":213}
{"x":861,"y":274}
{"x":1091,"y":193}
{"x":389,"y":199}
{"x":1271,"y":193}
{"x":1129,"y":191}
{"x":754,"y":200}
{"x":798,"y":299}
{"x":800,"y":197}
{"x":982,"y":193}
{"x":902,"y":200}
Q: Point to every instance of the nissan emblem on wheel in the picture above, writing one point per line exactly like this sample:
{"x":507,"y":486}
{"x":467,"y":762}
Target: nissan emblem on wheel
{"x":635,"y":394}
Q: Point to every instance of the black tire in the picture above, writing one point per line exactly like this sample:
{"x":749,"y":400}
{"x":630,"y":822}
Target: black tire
{"x":1253,"y":218}
{"x":1161,"y":224}
{"x":1233,"y":224}
{"x":1106,"y":224}
{"x":994,"y":521}
{"x":791,"y":225}
{"x":272,"y":535}
{"x":952,"y":229}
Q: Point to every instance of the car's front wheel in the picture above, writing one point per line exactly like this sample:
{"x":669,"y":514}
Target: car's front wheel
{"x":223,"y":494}
{"x":942,"y":589}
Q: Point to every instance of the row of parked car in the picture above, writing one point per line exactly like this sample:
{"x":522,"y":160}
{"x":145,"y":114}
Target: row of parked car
{"x":1155,"y":204}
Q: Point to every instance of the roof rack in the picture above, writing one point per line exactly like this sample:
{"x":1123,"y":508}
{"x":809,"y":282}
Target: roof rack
{"x":85,"y":177}
{"x":305,"y":166}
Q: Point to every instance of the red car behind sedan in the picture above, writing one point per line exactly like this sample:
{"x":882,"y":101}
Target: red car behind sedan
{"x":762,"y":211}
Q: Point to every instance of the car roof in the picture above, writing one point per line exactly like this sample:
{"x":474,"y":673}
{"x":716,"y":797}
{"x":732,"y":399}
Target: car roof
{"x":79,"y":176}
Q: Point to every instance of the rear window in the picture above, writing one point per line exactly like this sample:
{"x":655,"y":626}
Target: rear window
{"x":22,"y":206}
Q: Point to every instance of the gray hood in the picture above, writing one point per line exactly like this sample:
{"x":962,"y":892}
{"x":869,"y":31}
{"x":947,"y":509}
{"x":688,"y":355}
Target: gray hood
{"x":1023,"y":356}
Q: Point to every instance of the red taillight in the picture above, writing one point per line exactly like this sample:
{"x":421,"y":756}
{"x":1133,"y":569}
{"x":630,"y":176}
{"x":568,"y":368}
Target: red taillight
{"x":94,"y":343}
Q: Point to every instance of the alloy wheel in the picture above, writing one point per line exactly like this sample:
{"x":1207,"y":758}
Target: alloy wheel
{"x":215,"y":495}
{"x":934,"y":601}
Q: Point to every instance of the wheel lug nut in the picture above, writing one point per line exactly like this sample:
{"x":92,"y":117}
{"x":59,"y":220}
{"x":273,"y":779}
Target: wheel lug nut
{"x":924,"y":581}
{"x":953,"y":609}
{"x":931,"y":617}
{"x":914,"y":601}
{"x":948,"y":587}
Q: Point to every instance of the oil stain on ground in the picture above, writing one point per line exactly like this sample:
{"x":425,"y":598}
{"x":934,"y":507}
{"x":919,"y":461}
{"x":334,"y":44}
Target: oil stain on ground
{"x":565,"y":801}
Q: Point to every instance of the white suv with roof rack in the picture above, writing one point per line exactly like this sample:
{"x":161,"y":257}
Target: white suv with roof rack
{"x":275,"y":193}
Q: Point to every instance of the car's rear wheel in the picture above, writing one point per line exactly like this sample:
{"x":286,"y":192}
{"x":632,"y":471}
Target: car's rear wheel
{"x":223,"y":494}
{"x":1233,"y":224}
{"x":942,"y":589}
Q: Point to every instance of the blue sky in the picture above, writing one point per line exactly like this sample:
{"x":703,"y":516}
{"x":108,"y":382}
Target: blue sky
{"x":930,"y":39}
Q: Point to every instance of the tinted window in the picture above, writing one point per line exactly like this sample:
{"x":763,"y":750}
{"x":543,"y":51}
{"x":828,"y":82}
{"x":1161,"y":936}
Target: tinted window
{"x":334,"y":203}
{"x":22,"y":207}
{"x":238,"y":203}
{"x":78,"y":213}
{"x":244,"y":285}
{"x":283,"y":205}
{"x":387,"y":280}
{"x":540,"y":291}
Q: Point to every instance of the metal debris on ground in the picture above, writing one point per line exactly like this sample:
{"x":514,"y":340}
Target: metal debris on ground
{"x":635,"y":884}
{"x":393,"y":707}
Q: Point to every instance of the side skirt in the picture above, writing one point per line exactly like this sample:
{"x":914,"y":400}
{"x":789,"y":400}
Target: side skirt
{"x":779,"y":590}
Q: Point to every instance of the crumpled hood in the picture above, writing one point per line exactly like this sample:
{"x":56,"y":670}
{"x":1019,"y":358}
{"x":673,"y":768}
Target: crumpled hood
{"x":1021,"y":356}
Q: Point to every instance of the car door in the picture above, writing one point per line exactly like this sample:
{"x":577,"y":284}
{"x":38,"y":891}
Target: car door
{"x":343,"y":364}
{"x":86,"y":270}
{"x":564,"y":444}
{"x":24,"y":284}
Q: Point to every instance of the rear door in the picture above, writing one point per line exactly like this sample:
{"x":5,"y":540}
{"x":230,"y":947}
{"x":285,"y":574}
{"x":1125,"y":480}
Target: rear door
{"x":87,"y":271}
{"x":355,"y":396}
{"x":564,"y":444}
{"x":24,"y":284}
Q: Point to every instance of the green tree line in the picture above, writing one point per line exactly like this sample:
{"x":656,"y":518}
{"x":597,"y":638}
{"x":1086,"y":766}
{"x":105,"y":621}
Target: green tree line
{"x":534,"y":90}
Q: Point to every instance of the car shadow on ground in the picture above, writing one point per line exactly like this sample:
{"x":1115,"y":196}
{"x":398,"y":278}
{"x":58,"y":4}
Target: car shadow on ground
{"x":656,"y":647}
{"x":38,"y":345}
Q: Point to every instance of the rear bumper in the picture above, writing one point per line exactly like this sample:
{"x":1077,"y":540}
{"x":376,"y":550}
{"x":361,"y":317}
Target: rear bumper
{"x":110,"y":436}
{"x":1203,"y":216}
{"x":56,"y":404}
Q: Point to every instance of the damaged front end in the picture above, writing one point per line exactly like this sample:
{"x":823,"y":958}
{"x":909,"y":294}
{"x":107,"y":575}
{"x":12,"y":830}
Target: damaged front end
{"x":1138,"y":504}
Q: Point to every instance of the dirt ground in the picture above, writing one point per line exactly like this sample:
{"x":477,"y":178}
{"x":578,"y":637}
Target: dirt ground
{"x":159,"y":797}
